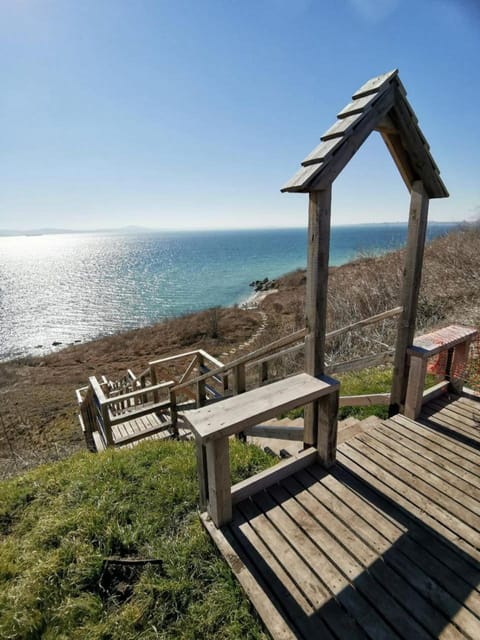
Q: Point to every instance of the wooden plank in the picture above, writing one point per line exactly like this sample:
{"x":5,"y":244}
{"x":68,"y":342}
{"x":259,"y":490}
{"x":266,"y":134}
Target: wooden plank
{"x":306,"y":576}
{"x":141,"y":434}
{"x":440,"y":478}
{"x":379,"y":317}
{"x":254,"y":355}
{"x":278,"y":432}
{"x":437,"y":518}
{"x":322,"y":151}
{"x":415,"y":385}
{"x":357,"y":106}
{"x":415,"y":600}
{"x":423,"y":482}
{"x":264,"y":479}
{"x":436,"y":582}
{"x":138,"y":413}
{"x":236,"y":414}
{"x":412,"y":275}
{"x":440,"y":418}
{"x":218,"y":471}
{"x":438,"y":455}
{"x":303,"y":176}
{"x":352,"y":142}
{"x":327,"y":558}
{"x":461,"y":453}
{"x":342,"y":127}
{"x":248,"y":577}
{"x":375,"y":84}
{"x":443,"y":339}
{"x":361,"y":363}
{"x":466,"y":423}
{"x":277,"y":581}
{"x":366,"y":400}
{"x":384,"y":514}
{"x":436,"y":391}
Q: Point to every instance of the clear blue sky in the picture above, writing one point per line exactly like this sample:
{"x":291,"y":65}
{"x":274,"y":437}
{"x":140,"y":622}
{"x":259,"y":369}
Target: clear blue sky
{"x":192,"y":114}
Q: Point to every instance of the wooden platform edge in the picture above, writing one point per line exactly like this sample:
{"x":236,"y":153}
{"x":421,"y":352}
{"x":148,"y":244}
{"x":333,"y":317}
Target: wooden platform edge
{"x":278,"y":472}
{"x":270,"y":616}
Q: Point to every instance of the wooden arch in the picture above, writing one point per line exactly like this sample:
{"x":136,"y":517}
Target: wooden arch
{"x":379,"y":105}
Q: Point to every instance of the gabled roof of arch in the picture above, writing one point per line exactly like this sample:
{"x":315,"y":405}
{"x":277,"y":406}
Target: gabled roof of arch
{"x":379,"y":105}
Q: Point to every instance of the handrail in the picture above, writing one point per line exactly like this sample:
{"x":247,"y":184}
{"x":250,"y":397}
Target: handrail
{"x":363,"y":323}
{"x":175,"y":357}
{"x":254,"y":358}
{"x":293,"y":337}
{"x":138,"y":392}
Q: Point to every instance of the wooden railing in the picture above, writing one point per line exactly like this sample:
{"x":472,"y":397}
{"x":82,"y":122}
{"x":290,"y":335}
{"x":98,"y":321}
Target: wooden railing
{"x":99,"y":413}
{"x":294,"y":343}
{"x":195,"y":378}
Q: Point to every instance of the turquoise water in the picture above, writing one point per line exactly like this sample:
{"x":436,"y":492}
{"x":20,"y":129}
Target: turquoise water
{"x":75,"y":287}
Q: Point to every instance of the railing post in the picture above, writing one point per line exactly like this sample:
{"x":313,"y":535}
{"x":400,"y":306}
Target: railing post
{"x":219,"y":486}
{"x":154,"y":381}
{"x":201,"y":392}
{"x":239,"y":381}
{"x":239,"y":386}
{"x":173,"y":410}
{"x":262,"y":373}
{"x":107,"y":427}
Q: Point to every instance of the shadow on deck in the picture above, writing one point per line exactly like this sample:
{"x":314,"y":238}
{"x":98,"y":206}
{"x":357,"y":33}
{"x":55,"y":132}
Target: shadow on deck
{"x":385,"y":545}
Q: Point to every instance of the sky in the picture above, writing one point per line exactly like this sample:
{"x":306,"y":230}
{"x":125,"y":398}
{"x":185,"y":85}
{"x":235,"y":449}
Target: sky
{"x":192,"y":114}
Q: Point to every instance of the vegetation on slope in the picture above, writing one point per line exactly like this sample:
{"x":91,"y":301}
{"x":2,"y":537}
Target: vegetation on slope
{"x":60,"y":521}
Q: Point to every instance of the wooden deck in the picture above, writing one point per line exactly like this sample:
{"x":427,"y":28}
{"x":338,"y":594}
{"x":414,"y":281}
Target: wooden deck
{"x":385,"y":545}
{"x":135,"y":431}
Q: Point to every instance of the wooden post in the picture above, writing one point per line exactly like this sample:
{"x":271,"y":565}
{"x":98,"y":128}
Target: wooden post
{"x":154,"y":381}
{"x":316,"y":298}
{"x":327,"y":428}
{"x":202,"y":474}
{"x":173,"y":410}
{"x":201,"y":391}
{"x":416,"y":383}
{"x":239,"y":381}
{"x":219,"y":486}
{"x":412,"y":275}
{"x":262,"y":373}
{"x":458,"y":366}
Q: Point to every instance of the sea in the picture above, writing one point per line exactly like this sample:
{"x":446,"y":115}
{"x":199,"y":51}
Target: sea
{"x":61,"y":289}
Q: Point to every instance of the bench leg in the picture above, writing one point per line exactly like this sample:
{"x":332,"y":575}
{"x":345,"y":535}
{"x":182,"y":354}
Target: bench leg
{"x":327,"y":418}
{"x":219,"y":486}
{"x":202,"y":475}
{"x":416,"y":383}
{"x":458,"y":366}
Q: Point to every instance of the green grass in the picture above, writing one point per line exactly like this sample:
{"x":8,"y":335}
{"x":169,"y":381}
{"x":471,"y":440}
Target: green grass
{"x":59,"y":522}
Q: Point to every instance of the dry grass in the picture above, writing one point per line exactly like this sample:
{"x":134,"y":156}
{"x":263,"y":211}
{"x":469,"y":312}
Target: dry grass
{"x":39,"y":411}
{"x":370,"y":285}
{"x":38,"y":405}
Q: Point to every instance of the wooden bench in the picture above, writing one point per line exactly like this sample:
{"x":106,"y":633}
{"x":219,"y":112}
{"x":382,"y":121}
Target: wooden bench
{"x":212,"y":425}
{"x":456,"y":340}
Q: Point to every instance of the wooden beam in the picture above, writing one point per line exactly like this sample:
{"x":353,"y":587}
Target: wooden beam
{"x":412,"y":275}
{"x":219,"y":487}
{"x":327,"y":408}
{"x":319,"y":213}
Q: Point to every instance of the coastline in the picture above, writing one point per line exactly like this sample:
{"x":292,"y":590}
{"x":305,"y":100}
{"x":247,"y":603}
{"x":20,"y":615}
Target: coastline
{"x":253,"y":301}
